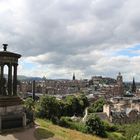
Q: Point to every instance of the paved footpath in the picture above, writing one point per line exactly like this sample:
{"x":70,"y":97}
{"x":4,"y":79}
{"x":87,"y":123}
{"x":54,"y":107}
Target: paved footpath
{"x":27,"y":134}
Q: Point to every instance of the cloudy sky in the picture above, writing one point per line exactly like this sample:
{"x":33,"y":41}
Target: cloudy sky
{"x":87,"y":37}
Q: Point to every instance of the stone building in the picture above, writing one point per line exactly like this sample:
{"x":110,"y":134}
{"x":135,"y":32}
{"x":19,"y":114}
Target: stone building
{"x":111,"y":87}
{"x":123,"y":110}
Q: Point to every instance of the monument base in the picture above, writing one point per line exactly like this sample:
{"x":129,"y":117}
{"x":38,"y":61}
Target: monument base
{"x":12,"y":114}
{"x":10,"y":101}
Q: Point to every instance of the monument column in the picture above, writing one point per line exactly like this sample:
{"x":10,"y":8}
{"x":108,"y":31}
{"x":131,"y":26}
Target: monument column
{"x":15,"y":80}
{"x":1,"y":78}
{"x":24,"y":120}
{"x":0,"y":124}
{"x":9,"y":79}
{"x":1,"y":71}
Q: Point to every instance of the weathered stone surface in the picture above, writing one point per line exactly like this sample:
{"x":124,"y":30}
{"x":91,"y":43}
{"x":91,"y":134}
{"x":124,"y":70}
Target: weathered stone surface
{"x":10,"y":101}
{"x":11,"y":60}
{"x":12,"y":113}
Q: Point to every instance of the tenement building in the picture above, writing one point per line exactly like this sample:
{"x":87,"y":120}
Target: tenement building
{"x":123,"y":110}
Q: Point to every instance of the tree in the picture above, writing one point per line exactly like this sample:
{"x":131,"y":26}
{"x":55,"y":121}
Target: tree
{"x":85,"y":100}
{"x":97,"y":106}
{"x":75,"y":105}
{"x":48,"y":107}
{"x":72,"y":104}
{"x":95,"y":126}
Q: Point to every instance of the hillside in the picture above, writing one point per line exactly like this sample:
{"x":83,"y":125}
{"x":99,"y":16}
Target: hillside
{"x":47,"y":130}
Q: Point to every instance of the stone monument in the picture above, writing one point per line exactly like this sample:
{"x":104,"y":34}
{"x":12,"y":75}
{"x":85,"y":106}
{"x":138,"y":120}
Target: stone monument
{"x":12,"y":114}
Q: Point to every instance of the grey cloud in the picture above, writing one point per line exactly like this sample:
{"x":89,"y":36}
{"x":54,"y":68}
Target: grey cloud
{"x":70,"y":30}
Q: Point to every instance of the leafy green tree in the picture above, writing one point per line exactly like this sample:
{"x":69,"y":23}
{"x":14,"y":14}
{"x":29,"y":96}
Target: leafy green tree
{"x":97,"y":106}
{"x":85,"y":100}
{"x":72,"y":104}
{"x":95,"y":126}
{"x":75,"y":105}
{"x":48,"y":107}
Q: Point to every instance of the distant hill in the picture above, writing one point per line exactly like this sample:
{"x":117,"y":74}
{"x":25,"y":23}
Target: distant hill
{"x":23,"y":77}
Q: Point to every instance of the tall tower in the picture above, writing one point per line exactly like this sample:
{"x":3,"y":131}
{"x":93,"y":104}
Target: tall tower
{"x":119,"y":79}
{"x":73,"y":78}
{"x":133,"y":88}
{"x":120,"y":84}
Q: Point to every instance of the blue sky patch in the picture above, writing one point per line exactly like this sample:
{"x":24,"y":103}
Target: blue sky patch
{"x":130,"y":52}
{"x":29,"y":65}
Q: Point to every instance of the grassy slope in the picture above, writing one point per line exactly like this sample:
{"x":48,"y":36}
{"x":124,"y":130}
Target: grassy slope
{"x":49,"y":130}
{"x":115,"y":136}
{"x":130,"y":130}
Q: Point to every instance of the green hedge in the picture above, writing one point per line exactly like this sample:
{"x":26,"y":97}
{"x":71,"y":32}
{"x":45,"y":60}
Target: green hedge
{"x":68,"y":123}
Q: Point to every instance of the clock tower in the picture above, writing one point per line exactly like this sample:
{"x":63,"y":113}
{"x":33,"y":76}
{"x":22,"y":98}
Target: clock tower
{"x":120,"y":84}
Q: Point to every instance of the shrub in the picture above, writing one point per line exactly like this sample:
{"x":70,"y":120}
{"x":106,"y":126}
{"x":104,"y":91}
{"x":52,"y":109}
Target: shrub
{"x":78,"y":126}
{"x":109,"y":127}
{"x":115,"y":136}
{"x":64,"y":121}
{"x":29,"y":104}
{"x":95,"y":126}
{"x":29,"y":110}
{"x":129,"y":130}
{"x":68,"y":123}
{"x":136,"y":137}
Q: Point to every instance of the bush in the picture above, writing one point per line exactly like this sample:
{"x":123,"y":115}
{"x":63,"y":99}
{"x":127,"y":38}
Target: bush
{"x":109,"y":127}
{"x":64,"y":121}
{"x":68,"y":123}
{"x":130,"y":130}
{"x":78,"y":126}
{"x":29,"y":110}
{"x":136,"y":137}
{"x":29,"y":104}
{"x":115,"y":136}
{"x":95,"y":126}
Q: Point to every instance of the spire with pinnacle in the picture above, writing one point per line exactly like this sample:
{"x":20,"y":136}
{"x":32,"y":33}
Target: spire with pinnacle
{"x":73,"y":78}
{"x":133,"y":89}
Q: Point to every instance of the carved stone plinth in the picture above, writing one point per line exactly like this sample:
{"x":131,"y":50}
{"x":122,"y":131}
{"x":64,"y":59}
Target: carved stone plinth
{"x":12,"y":116}
{"x":10,"y":101}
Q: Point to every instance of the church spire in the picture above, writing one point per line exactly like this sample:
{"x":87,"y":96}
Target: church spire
{"x":133,"y":89}
{"x":73,"y":78}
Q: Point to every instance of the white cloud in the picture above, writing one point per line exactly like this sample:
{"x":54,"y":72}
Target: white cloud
{"x":65,"y":36}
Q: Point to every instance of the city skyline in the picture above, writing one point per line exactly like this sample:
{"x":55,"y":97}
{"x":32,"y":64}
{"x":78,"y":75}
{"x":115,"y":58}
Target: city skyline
{"x":58,"y":38}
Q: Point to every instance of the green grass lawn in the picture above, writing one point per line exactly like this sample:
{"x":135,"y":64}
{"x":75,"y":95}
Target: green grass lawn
{"x":48,"y":130}
{"x":130,"y":130}
{"x":115,"y":136}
